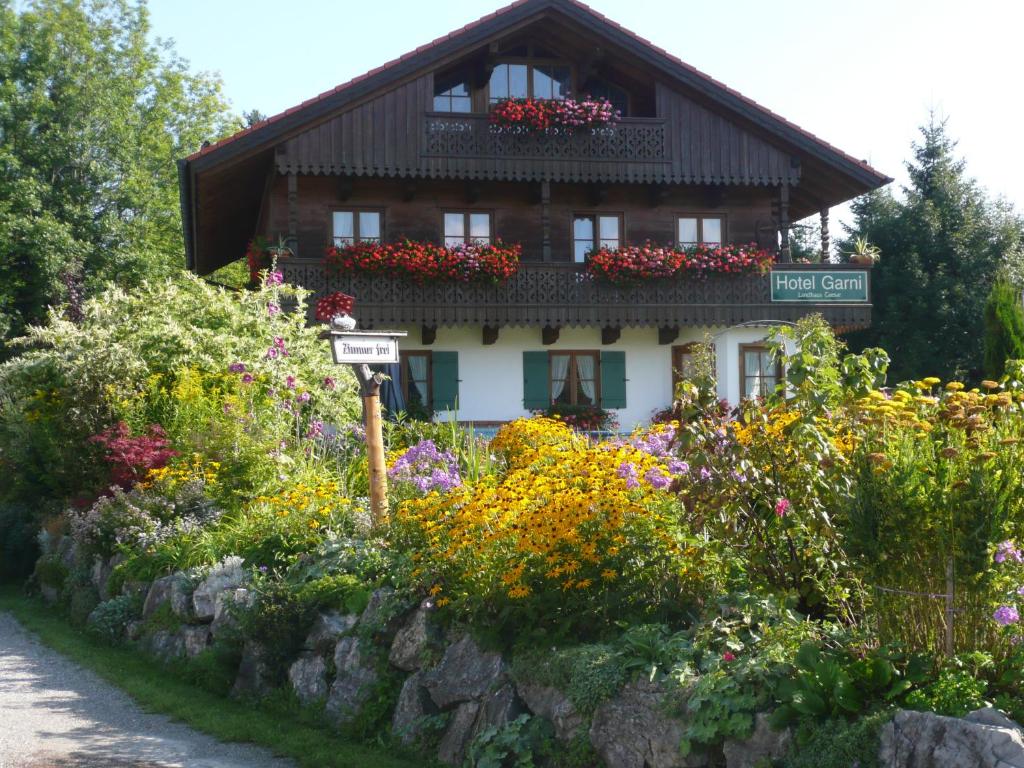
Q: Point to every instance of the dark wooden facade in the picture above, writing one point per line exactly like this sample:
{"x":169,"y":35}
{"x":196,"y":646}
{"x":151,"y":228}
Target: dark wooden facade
{"x":686,"y":146}
{"x":397,"y":134}
{"x":415,"y":210}
{"x":555,"y":296}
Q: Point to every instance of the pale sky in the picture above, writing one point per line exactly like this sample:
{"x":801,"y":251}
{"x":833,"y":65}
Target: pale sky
{"x":861,"y":75}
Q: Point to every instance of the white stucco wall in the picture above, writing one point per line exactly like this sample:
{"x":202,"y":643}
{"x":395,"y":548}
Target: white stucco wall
{"x":491,"y":377}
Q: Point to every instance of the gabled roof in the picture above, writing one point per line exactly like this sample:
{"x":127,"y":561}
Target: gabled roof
{"x":276,"y":127}
{"x":221,"y":185}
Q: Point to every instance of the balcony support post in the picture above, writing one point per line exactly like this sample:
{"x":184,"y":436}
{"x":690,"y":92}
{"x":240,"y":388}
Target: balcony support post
{"x":549,"y":334}
{"x":785,"y":253}
{"x":490,"y":334}
{"x":610,"y":334}
{"x":545,"y":219}
{"x":293,"y":214}
{"x":667,"y":334}
{"x":826,"y":242}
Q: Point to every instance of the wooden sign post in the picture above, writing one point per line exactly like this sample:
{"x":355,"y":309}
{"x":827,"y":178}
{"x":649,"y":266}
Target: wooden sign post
{"x":359,"y":349}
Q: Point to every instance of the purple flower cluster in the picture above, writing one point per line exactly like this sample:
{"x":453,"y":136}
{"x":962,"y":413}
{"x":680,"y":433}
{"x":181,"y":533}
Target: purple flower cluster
{"x":627,"y":471}
{"x":427,"y":468}
{"x":1006,"y":615}
{"x":1007,"y":550}
{"x":274,"y":277}
{"x":657,"y":478}
{"x":656,"y":442}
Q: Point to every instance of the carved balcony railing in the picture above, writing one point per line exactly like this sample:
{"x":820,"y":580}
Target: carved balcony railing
{"x":472,"y":136}
{"x":557,"y":295}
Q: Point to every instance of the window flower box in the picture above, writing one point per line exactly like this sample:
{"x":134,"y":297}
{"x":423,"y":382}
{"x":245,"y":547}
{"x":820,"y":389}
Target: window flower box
{"x":427,"y":262}
{"x":639,"y":263}
{"x":553,"y":115}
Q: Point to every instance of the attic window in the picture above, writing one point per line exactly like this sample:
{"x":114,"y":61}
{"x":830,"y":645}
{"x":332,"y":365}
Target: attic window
{"x":520,"y":80}
{"x":604,"y":90}
{"x":451,"y":93}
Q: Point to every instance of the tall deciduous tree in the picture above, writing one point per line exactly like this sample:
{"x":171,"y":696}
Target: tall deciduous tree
{"x":942,"y":246}
{"x":92,"y":117}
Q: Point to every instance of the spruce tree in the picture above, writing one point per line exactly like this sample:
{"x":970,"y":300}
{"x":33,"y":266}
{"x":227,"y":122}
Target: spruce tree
{"x":942,"y":244}
{"x":1004,"y":328}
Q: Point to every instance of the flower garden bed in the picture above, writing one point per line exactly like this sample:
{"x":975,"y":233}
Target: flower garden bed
{"x":191,"y":459}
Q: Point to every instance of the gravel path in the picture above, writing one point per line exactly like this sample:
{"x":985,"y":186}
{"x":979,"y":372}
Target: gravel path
{"x":54,"y":714}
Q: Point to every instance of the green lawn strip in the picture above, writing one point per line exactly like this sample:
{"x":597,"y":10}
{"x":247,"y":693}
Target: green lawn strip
{"x":157,"y":690}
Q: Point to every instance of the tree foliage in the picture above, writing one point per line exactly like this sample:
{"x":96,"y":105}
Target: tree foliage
{"x":92,"y":118}
{"x":1004,"y":328}
{"x":942,"y":246}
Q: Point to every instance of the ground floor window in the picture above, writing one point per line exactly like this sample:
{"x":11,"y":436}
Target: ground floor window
{"x":574,"y":378}
{"x":416,"y":380}
{"x":760,"y":373}
{"x":683,"y":363}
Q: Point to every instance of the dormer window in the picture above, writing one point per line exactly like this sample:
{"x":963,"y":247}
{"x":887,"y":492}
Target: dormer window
{"x":521,"y":80}
{"x":452,"y":94}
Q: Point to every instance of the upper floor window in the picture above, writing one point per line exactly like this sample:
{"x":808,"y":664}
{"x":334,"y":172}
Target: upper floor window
{"x":452,"y":94}
{"x":521,"y":80}
{"x":593,"y":231}
{"x":694,"y":230}
{"x":357,"y":227}
{"x":466,"y":227}
{"x":602,"y":89}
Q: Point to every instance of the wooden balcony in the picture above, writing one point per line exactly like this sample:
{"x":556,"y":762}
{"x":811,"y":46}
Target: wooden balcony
{"x":473,"y":137}
{"x":557,"y":295}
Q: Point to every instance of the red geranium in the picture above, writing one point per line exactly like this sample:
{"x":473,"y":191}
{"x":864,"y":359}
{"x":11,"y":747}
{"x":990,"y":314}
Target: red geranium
{"x":333,"y":304}
{"x":427,"y":262}
{"x":635,"y":263}
{"x":539,"y":115}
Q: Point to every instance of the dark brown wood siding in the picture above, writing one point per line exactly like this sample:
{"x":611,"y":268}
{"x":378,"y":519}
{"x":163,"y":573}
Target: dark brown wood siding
{"x":517,"y":217}
{"x":396,"y":135}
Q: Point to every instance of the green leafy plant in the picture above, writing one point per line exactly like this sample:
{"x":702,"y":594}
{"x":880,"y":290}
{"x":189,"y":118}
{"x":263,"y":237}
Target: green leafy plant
{"x":518,"y":744}
{"x":833,"y":684}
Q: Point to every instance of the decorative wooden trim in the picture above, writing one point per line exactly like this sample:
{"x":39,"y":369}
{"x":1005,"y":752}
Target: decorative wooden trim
{"x":610,"y":334}
{"x":557,"y":295}
{"x":490,"y":334}
{"x":428,"y":334}
{"x":549,"y":334}
{"x":667,"y":334}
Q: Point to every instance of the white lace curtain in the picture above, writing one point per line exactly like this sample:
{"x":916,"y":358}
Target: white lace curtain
{"x":585,"y":369}
{"x":418,"y":377}
{"x":559,"y":375}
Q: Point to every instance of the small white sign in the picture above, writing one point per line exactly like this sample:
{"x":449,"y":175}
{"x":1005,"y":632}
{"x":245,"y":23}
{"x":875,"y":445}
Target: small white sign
{"x":359,"y":348}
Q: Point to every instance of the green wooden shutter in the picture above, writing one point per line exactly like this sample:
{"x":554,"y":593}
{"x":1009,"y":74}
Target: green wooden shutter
{"x":444,"y":380}
{"x":536,"y":384}
{"x":613,"y":379}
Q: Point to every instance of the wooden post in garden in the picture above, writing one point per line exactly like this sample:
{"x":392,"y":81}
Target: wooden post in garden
{"x":359,"y":349}
{"x":369,"y":386}
{"x":950,"y":607}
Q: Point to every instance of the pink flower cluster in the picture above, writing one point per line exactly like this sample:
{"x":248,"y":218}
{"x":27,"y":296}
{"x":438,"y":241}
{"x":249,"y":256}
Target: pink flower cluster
{"x":541,"y":115}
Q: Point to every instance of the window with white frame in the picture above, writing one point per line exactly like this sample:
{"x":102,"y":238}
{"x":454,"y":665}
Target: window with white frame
{"x":356,"y":226}
{"x":695,"y":230}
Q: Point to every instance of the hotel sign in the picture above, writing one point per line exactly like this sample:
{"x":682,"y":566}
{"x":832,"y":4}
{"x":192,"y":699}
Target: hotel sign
{"x":821,"y":286}
{"x":371,"y":348}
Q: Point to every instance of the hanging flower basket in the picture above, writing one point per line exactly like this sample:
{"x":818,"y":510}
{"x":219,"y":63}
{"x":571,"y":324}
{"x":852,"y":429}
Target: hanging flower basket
{"x":427,"y":262}
{"x":334,"y":304}
{"x":553,"y":115}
